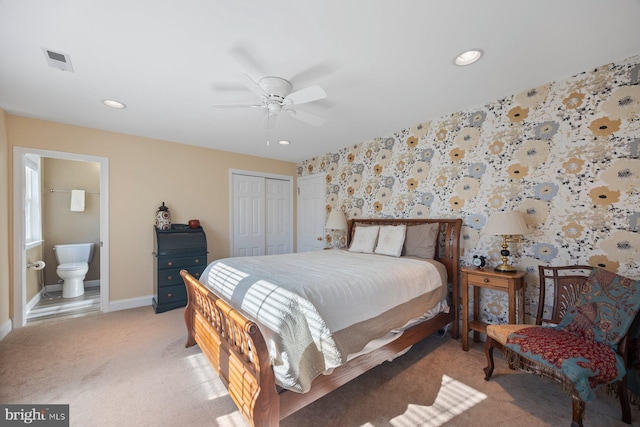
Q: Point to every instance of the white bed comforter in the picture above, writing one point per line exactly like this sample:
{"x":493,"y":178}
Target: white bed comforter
{"x":316,"y":308}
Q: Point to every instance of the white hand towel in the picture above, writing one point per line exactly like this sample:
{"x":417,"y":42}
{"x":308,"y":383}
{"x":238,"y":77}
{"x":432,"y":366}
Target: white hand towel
{"x":77,"y":200}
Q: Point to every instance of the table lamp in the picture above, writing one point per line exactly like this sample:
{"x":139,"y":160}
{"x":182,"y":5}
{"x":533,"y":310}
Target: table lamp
{"x":511,"y":226}
{"x":337,"y":221}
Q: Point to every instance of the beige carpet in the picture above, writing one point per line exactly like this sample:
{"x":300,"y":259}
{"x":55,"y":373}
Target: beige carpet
{"x":130,"y":368}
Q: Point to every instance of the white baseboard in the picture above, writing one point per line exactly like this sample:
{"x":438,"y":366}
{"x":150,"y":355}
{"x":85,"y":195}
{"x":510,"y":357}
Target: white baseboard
{"x":5,"y":329}
{"x":91,"y":283}
{"x":52,"y":288}
{"x":34,"y":301}
{"x":126,"y":304}
{"x":58,"y":286}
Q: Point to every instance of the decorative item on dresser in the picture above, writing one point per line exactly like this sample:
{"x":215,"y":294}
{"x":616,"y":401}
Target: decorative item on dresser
{"x":178,"y":248}
{"x":163,"y":218}
{"x":236,"y":346}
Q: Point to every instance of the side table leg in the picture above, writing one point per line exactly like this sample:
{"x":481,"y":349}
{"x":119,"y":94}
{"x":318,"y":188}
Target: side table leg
{"x":521,"y":306}
{"x":476,"y":311}
{"x":465,"y":313}
{"x":512,"y":305}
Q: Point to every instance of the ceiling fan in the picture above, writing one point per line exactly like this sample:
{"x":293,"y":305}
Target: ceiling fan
{"x":277,"y":95}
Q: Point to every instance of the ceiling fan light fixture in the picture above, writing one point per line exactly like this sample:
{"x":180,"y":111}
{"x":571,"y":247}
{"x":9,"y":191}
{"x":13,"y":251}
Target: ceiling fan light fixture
{"x":113,"y":104}
{"x":468,"y":57}
{"x":274,"y":107}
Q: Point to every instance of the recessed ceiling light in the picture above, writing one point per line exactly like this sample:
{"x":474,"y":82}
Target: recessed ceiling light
{"x":284,"y":142}
{"x":113,"y":104}
{"x":468,"y":57}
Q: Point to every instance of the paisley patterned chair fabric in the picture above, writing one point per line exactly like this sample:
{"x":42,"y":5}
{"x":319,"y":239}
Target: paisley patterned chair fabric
{"x":582,"y":344}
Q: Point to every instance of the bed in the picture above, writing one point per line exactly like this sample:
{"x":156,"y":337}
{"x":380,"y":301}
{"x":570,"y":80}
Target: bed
{"x":238,"y":350}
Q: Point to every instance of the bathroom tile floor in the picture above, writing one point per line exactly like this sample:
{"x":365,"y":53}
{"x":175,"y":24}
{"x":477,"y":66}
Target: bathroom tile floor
{"x":57,"y":307}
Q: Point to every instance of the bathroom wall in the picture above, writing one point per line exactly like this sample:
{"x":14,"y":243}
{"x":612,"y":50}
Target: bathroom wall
{"x":60,"y":224}
{"x":565,"y":154}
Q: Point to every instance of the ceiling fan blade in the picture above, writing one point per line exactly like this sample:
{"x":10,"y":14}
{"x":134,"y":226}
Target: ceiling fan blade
{"x":248,"y":59}
{"x":313,"y":74}
{"x":251,"y":84}
{"x":309,"y":94}
{"x":306,"y":117}
{"x":238,"y":105}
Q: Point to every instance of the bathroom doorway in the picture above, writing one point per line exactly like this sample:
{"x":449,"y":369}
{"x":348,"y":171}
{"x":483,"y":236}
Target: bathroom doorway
{"x":61,"y":223}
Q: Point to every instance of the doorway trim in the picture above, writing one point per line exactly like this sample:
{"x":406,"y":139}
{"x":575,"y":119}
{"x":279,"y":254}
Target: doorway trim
{"x":19,"y":251}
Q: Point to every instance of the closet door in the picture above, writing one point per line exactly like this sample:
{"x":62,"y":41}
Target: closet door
{"x":278,"y":217}
{"x":261,"y":215}
{"x":248,"y":215}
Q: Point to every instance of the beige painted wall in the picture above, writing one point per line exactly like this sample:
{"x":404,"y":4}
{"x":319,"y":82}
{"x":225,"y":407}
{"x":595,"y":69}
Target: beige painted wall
{"x":61,"y":225}
{"x":143,"y":172}
{"x":5,"y":292}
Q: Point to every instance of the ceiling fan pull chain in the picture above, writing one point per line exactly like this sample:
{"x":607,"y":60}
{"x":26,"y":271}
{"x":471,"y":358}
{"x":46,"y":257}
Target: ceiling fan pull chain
{"x":268,"y":128}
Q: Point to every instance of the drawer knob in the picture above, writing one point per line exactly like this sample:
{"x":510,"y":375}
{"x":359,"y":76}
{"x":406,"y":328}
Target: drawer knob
{"x":169,"y":295}
{"x":486,"y":280}
{"x":169,"y":277}
{"x":197,"y":274}
{"x":197,"y":260}
{"x":170,"y":263}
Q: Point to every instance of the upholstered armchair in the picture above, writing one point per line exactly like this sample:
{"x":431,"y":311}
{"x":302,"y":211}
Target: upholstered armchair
{"x":582,"y":344}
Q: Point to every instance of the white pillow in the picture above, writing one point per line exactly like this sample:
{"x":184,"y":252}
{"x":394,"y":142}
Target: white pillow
{"x":364,"y":239}
{"x":391,"y":240}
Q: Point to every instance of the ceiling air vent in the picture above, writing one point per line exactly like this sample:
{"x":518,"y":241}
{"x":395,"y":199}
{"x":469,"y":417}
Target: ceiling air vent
{"x":58,"y":60}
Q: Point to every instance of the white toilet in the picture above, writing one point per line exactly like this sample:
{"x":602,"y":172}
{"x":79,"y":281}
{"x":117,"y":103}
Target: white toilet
{"x":73,"y":264}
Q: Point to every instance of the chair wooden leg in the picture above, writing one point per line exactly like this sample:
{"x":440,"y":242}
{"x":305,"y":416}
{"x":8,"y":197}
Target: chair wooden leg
{"x":624,"y":400}
{"x":488,"y":352}
{"x":578,"y":411}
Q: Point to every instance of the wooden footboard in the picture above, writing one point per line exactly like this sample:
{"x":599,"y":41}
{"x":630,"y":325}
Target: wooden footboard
{"x":238,"y":352}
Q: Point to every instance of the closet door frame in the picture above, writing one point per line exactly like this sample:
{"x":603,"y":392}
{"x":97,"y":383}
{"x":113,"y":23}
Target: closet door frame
{"x":286,"y":178}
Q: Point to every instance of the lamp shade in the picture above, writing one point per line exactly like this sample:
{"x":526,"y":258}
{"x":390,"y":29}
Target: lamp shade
{"x":337,"y":220}
{"x":506,"y":223}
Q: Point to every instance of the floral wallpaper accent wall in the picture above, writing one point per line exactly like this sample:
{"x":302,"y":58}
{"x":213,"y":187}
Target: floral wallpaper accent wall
{"x":566,"y":155}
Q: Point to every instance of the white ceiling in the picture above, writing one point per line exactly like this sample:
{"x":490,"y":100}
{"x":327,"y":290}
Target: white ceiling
{"x":385,"y":65}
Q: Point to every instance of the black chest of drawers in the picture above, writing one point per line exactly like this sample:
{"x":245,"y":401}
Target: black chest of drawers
{"x":179,"y":248}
